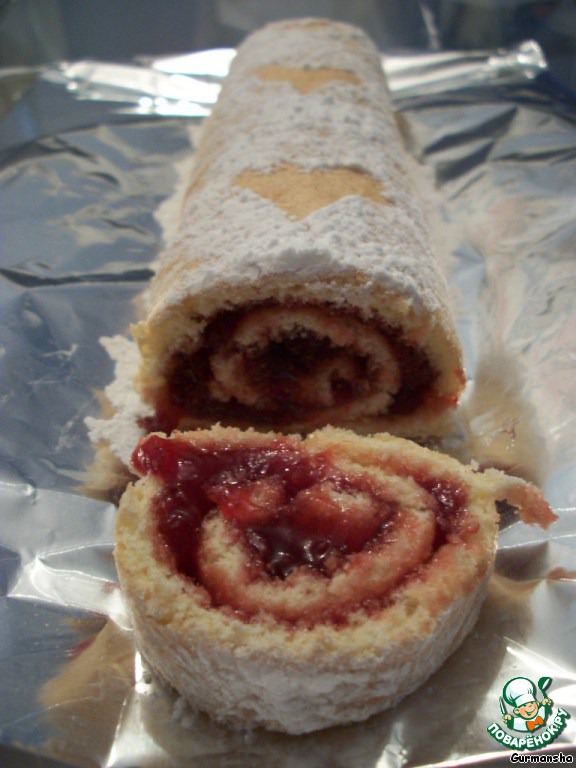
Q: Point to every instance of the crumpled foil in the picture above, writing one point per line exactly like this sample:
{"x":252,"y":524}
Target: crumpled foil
{"x":88,"y":151}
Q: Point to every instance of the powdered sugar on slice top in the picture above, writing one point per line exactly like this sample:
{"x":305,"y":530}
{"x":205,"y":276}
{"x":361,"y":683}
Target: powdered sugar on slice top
{"x":122,"y":431}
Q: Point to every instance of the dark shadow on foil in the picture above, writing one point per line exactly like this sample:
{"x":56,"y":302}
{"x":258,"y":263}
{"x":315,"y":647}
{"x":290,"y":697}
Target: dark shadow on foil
{"x":27,"y":280}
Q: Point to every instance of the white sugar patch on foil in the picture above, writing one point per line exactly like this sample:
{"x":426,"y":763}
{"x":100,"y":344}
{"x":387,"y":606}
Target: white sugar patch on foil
{"x":121,"y":431}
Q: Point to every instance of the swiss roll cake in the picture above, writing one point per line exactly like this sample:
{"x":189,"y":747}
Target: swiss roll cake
{"x":299,"y":583}
{"x":300,"y":288}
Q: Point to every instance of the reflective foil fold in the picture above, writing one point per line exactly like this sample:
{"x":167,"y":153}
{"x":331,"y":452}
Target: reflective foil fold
{"x":88,"y":152}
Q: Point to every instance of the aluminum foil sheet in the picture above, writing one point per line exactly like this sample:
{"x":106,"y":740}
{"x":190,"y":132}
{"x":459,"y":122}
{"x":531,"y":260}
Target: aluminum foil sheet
{"x":88,"y":151}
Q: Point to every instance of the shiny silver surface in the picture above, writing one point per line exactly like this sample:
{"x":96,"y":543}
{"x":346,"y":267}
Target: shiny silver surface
{"x":87,"y":153}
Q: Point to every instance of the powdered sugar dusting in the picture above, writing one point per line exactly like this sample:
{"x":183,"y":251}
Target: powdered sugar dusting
{"x":121,"y":431}
{"x":230,"y":236}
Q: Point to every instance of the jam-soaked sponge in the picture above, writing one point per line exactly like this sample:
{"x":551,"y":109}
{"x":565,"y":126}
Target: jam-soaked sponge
{"x":299,"y":583}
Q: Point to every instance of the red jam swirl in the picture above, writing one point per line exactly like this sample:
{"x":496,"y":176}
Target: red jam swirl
{"x":260,"y":491}
{"x":275,"y":368}
{"x":274,"y":497}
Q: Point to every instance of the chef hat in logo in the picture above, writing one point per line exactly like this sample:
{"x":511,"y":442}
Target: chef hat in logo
{"x":519,"y":691}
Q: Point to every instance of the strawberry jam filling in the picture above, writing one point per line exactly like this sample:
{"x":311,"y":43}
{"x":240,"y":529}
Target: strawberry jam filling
{"x":289,"y":512}
{"x":305,"y":375}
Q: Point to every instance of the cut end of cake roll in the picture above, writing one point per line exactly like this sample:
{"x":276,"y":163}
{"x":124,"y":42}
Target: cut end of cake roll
{"x":297,"y":584}
{"x":301,"y":289}
{"x":296,"y":366}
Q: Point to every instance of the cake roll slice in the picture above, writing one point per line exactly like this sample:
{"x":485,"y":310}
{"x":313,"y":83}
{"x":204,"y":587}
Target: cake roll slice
{"x":299,"y":583}
{"x":301,"y":288}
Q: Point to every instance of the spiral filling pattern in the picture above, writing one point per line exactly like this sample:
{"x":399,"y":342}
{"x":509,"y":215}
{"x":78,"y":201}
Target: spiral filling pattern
{"x":273,"y":529}
{"x":301,"y":363}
